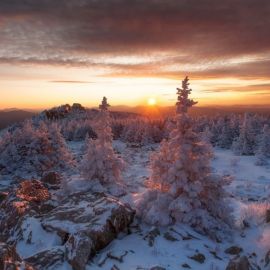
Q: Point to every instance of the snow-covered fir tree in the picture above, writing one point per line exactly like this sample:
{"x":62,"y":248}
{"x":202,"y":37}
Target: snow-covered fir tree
{"x":225,"y":138}
{"x":183,"y":187}
{"x":216,"y":129}
{"x":100,"y":161}
{"x":142,"y":132}
{"x":32,"y":150}
{"x":263,"y":150}
{"x":77,"y":127}
{"x":207,"y":135}
{"x":59,"y":145}
{"x":245,"y":144}
{"x":102,"y":125}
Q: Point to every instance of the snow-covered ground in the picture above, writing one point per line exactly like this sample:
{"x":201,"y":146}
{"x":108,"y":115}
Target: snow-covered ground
{"x":175,"y":247}
{"x":179,"y":246}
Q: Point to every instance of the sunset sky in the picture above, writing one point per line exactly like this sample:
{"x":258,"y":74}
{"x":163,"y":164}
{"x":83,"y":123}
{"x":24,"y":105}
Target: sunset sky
{"x":63,"y":51}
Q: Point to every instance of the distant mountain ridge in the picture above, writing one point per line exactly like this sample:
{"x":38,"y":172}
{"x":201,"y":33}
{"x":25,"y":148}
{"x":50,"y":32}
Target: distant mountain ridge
{"x":13,"y":115}
{"x":9,"y":117}
{"x":164,"y":111}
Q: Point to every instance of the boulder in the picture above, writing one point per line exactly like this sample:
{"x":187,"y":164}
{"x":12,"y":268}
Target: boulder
{"x":29,"y":197}
{"x":157,"y":268}
{"x":168,"y":236}
{"x":267,"y":216}
{"x":47,"y":259}
{"x":32,"y":191}
{"x":78,"y":249}
{"x":87,"y":223}
{"x":233,"y":250}
{"x":199,"y":257}
{"x":151,"y":236}
{"x":267,"y":258}
{"x":51,"y":180}
{"x":10,"y":260}
{"x":78,"y":107}
{"x":3,"y":196}
{"x":241,"y":263}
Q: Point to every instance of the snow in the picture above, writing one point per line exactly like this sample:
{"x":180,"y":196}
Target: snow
{"x":164,"y":253}
{"x":250,"y":183}
{"x":249,"y":196}
{"x":36,"y":241}
{"x":38,"y":146}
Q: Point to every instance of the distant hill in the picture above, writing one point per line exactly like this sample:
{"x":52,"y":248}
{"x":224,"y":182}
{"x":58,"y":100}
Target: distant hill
{"x":161,"y":111}
{"x":9,"y":117}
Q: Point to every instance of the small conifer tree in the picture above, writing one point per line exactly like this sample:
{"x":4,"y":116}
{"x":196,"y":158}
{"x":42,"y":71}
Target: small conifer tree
{"x":263,"y":150}
{"x":100,"y":161}
{"x":183,"y":189}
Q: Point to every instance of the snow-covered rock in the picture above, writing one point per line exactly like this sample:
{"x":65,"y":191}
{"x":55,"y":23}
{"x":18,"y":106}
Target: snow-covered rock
{"x":48,"y":259}
{"x":9,"y":259}
{"x":241,"y":263}
{"x":48,"y":233}
{"x":87,"y":223}
{"x":51,"y":180}
{"x":29,"y":197}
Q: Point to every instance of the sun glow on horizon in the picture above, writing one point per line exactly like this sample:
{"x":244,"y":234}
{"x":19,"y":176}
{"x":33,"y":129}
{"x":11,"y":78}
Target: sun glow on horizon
{"x":28,"y":87}
{"x":151,"y":101}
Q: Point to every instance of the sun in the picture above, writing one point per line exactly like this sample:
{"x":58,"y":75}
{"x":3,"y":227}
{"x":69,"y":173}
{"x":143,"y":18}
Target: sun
{"x":152,"y":101}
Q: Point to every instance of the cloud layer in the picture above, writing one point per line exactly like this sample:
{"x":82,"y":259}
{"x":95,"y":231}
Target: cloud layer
{"x":165,"y":38}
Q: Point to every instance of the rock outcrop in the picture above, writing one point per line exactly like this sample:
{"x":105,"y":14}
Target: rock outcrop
{"x":76,"y":227}
{"x":241,"y":263}
{"x":30,"y":197}
{"x":87,"y":223}
{"x":51,"y":180}
{"x":234,"y":250}
{"x":48,"y":259}
{"x":9,"y":259}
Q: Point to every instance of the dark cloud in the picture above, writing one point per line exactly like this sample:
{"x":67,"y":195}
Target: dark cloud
{"x":255,"y":69}
{"x":78,"y":32}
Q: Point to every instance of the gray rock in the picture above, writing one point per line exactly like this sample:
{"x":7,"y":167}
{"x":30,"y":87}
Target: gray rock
{"x":168,"y":236}
{"x":85,"y":222}
{"x":30,"y":197}
{"x":233,"y":250}
{"x":267,"y":258}
{"x":151,"y":236}
{"x":78,"y":249}
{"x":3,"y":196}
{"x":51,"y":180}
{"x":91,"y":222}
{"x":267,"y":216}
{"x":10,"y":260}
{"x":241,"y":263}
{"x":157,"y":268}
{"x":47,"y":259}
{"x":199,"y":257}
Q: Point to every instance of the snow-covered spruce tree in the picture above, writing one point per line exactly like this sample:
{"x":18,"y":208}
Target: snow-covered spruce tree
{"x":263,"y":150}
{"x":59,"y":146}
{"x":129,"y":131}
{"x":216,"y":129}
{"x":30,"y":151}
{"x":207,"y":135}
{"x":142,"y":132}
{"x":245,"y":144}
{"x":100,"y":161}
{"x":225,"y":139}
{"x":183,"y":189}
